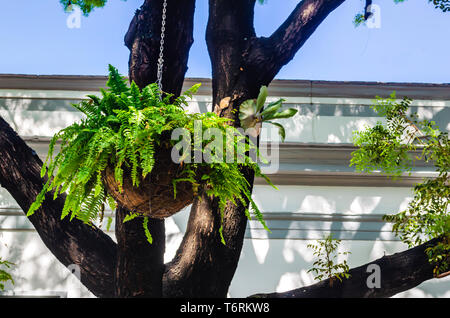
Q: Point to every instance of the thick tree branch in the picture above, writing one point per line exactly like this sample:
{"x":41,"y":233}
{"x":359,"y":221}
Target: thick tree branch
{"x":143,"y":40}
{"x":72,"y":242}
{"x":203,"y":266}
{"x":266,"y":56}
{"x":230,"y":28}
{"x":398,"y":272}
{"x":367,"y":12}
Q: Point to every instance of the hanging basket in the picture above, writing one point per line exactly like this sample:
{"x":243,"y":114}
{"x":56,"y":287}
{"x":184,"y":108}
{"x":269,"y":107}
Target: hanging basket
{"x":154,"y":196}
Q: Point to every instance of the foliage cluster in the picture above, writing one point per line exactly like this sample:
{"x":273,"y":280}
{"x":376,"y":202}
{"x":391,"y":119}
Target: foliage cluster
{"x":124,"y":129}
{"x":393,"y":147}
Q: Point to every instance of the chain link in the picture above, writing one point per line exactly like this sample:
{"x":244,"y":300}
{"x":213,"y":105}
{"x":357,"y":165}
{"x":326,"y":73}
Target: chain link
{"x":161,"y":48}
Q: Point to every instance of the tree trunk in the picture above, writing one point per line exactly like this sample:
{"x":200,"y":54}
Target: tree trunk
{"x":140,"y":265}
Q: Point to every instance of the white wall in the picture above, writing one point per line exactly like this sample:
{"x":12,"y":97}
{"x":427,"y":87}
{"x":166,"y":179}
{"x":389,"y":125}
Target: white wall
{"x":298,"y":214}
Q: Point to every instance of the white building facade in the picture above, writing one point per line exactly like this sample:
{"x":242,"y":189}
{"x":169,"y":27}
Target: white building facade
{"x":318,"y":193}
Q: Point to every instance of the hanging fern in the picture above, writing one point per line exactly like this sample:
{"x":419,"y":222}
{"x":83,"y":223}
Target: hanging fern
{"x":123,"y":129}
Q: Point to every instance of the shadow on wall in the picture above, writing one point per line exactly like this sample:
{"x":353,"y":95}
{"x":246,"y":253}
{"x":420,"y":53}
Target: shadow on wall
{"x":31,"y":117}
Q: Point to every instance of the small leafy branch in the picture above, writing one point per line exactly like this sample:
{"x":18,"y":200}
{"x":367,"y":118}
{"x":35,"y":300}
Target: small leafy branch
{"x":325,"y":266}
{"x":388,"y":147}
{"x":4,"y":275}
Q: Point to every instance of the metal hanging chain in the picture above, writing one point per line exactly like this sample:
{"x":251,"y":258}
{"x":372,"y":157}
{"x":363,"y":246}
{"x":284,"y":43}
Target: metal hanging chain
{"x":161,"y":48}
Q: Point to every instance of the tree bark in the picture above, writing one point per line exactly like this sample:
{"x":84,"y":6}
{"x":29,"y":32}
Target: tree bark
{"x":398,"y":272}
{"x":140,"y":265}
{"x":143,"y":41}
{"x":265,"y":56}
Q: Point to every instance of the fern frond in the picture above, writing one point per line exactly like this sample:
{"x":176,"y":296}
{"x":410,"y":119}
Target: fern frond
{"x":147,"y":231}
{"x":116,"y":82}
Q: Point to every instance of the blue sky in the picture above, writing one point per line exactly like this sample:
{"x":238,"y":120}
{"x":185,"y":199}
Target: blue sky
{"x":411,"y":45}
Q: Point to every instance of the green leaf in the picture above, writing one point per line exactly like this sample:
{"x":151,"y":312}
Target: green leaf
{"x":123,"y":129}
{"x":281,"y":130}
{"x":147,"y":231}
{"x":108,"y":223}
{"x":261,"y":98}
{"x":191,"y":91}
{"x":288,"y":113}
{"x":130,"y":217}
{"x":272,"y":108}
{"x":247,"y":109}
{"x":247,"y":114}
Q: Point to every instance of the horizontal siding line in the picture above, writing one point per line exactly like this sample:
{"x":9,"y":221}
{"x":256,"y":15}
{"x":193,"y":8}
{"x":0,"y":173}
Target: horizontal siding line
{"x":319,"y":235}
{"x":339,"y":180}
{"x":288,"y":236}
{"x":319,"y":216}
{"x":315,"y":239}
{"x":298,"y":100}
{"x":48,"y":94}
{"x":17,"y":229}
{"x":277,"y":87}
{"x":280,"y":234}
{"x":268,"y":216}
{"x":261,"y":229}
{"x":285,"y":146}
{"x":303,"y":164}
{"x":294,"y":225}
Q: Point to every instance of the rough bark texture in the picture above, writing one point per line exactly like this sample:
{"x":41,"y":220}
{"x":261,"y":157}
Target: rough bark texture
{"x":143,"y":40}
{"x":203,"y":266}
{"x":241,"y":64}
{"x":140,"y":265}
{"x":72,"y":242}
{"x":398,"y":272}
